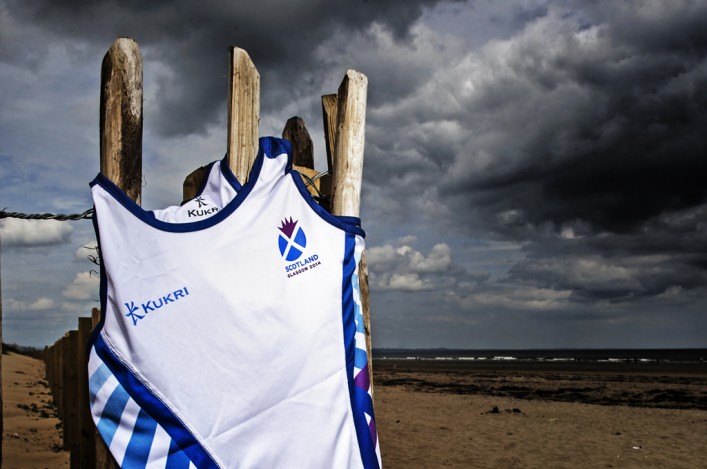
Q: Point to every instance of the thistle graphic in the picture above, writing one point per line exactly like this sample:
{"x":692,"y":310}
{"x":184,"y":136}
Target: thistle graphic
{"x":292,"y":241}
{"x":288,"y":227}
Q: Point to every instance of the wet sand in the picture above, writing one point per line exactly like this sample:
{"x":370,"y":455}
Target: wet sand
{"x":541,"y":415}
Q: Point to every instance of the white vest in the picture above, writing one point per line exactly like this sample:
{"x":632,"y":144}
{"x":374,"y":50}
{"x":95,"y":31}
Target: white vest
{"x":232,"y":333}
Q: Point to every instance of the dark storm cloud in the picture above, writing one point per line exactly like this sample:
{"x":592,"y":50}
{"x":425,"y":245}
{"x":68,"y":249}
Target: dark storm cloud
{"x":191,"y":40}
{"x":547,"y":158}
{"x":594,"y":278}
{"x":593,"y":125}
{"x":581,"y":136}
{"x":667,"y":255}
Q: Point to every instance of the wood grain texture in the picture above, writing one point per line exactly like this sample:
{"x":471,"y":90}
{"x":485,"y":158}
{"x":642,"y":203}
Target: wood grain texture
{"x":192,"y":183}
{"x":329,"y":108}
{"x":121,"y":117}
{"x":72,"y":422}
{"x":87,"y":443}
{"x":347,"y":159}
{"x":366,"y":311}
{"x":302,"y":148}
{"x":243,"y":113}
{"x":350,"y":140}
{"x":121,"y":142}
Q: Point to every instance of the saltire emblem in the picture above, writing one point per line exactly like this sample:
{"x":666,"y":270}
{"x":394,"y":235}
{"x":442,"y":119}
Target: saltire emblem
{"x":292,"y":240}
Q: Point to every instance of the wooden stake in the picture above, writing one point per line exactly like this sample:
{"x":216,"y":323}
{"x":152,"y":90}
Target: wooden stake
{"x":243,"y":121}
{"x":71,"y":404}
{"x":95,"y":317}
{"x":64,"y":391}
{"x":87,"y":432}
{"x":350,"y":139}
{"x":366,"y":311}
{"x":121,"y":140}
{"x":121,"y":117}
{"x":303,"y":159}
{"x":243,"y":113}
{"x":347,"y":159}
{"x":329,"y":108}
{"x":302,"y":149}
{"x":192,"y":183}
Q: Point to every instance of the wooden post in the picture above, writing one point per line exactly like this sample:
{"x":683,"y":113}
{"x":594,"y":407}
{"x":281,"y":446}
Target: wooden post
{"x":95,"y":317}
{"x":243,"y":121}
{"x":302,"y":149}
{"x":121,"y":117}
{"x":61,"y":380}
{"x":121,"y":139}
{"x":350,"y":139}
{"x":87,"y":432}
{"x":54,"y":377}
{"x":65,"y":391}
{"x":72,"y":422}
{"x":329,"y":109}
{"x":243,"y":113}
{"x":347,"y":159}
{"x":303,"y":160}
{"x":192,"y":183}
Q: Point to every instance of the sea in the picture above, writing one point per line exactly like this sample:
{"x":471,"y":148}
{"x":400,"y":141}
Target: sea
{"x":681,"y":355}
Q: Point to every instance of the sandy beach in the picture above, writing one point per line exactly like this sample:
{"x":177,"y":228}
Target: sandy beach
{"x":32,"y":433}
{"x":529,"y":416}
{"x":461,"y":415}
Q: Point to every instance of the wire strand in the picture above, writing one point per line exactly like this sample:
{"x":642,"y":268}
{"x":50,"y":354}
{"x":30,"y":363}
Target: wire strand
{"x":88,"y":214}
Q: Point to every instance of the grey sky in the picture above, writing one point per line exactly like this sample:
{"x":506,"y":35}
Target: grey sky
{"x":534,"y":170}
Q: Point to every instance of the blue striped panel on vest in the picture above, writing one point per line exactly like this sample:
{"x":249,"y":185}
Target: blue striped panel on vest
{"x":133,"y":436}
{"x":361,"y":391}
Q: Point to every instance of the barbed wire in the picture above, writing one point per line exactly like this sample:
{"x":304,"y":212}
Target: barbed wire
{"x":47,"y":216}
{"x":310,"y":182}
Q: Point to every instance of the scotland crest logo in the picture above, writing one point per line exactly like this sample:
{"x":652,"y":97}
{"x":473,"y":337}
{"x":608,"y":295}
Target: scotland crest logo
{"x":292,"y":240}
